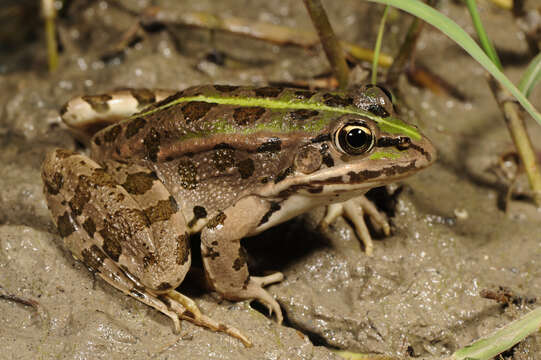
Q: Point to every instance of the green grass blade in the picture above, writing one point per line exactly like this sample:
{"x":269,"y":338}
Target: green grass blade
{"x":502,"y":339}
{"x":377,"y":48}
{"x":531,"y":76}
{"x":483,"y":37}
{"x":457,"y":34}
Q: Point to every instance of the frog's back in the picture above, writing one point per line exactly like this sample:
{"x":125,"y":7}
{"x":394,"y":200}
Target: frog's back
{"x":203,"y":117}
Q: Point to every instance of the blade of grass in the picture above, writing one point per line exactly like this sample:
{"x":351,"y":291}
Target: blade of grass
{"x":457,"y":34}
{"x":377,"y":48}
{"x":502,"y":339}
{"x":483,"y":37}
{"x":531,"y":76}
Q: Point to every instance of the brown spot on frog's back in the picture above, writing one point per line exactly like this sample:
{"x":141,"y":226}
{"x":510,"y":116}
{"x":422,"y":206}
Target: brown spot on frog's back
{"x":139,"y":183}
{"x":134,"y":126}
{"x":268,"y":91}
{"x":65,"y":225}
{"x":98,"y":102}
{"x":195,"y":110}
{"x":100,"y":177}
{"x":271,"y":145}
{"x":112,"y":133}
{"x":248,"y":115}
{"x":93,"y":257}
{"x":152,"y":145}
{"x":187,"y":172}
{"x":304,"y":94}
{"x":54,"y":184}
{"x":225,"y":88}
{"x":337,"y":100}
{"x":246,"y":168}
{"x":90,"y":227}
{"x":303,"y":114}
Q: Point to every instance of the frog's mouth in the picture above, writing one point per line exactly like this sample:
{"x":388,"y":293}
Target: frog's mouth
{"x":352,"y":182}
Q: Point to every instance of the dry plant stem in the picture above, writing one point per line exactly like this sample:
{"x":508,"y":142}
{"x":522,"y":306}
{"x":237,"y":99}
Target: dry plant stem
{"x":515,"y":123}
{"x":407,"y":51}
{"x":330,"y":43}
{"x":277,"y":34}
{"x":49,"y":14}
{"x":405,"y":54}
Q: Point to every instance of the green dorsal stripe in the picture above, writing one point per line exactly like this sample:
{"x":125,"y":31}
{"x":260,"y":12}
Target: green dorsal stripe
{"x":391,"y":124}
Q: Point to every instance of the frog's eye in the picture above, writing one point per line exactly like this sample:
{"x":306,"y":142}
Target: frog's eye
{"x":354,"y":139}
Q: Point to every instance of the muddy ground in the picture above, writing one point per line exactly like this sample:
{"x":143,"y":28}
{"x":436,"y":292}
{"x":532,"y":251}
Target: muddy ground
{"x":417,"y":296}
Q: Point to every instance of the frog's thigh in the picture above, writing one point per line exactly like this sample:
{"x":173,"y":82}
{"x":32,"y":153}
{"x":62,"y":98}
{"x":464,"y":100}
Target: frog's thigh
{"x":224,"y":258}
{"x":93,"y":209}
{"x":141,"y":251}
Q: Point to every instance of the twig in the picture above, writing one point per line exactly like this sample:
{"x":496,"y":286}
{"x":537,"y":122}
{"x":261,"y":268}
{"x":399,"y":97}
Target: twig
{"x":49,"y":14}
{"x":331,"y":46}
{"x":515,"y":124}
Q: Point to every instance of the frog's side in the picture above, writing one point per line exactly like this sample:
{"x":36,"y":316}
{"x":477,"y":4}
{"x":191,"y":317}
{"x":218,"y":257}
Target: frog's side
{"x":227,"y":162}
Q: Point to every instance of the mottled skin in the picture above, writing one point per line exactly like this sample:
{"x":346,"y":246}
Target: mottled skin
{"x":208,"y":160}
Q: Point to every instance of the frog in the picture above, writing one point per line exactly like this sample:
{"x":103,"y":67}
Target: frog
{"x":221,"y":162}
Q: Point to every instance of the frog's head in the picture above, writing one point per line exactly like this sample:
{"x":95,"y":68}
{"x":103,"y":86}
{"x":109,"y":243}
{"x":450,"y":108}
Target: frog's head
{"x":359,"y":151}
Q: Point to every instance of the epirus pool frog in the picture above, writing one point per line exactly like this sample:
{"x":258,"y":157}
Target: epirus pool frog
{"x":226,"y":162}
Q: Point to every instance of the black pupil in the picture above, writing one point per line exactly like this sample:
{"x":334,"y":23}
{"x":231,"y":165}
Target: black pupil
{"x":356,"y":138}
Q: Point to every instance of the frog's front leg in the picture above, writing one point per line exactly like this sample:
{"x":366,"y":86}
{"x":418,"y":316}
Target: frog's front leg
{"x":224,"y":258}
{"x":354,"y":210}
{"x":126,"y":227}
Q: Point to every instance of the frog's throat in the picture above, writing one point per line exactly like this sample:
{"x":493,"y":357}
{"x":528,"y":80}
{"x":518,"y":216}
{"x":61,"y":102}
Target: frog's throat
{"x":391,"y":125}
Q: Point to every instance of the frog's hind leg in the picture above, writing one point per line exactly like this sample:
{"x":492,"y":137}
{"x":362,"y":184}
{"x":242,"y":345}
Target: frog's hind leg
{"x":124,"y":225}
{"x":86,"y":115}
{"x":172,"y":304}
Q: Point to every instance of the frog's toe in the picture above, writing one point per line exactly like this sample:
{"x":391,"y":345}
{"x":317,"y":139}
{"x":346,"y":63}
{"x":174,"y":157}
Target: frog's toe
{"x":377,"y":218}
{"x":267,"y":280}
{"x":186,"y":309}
{"x":254,"y":290}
